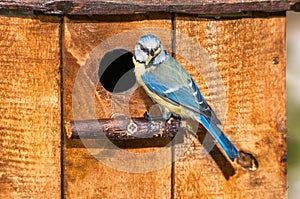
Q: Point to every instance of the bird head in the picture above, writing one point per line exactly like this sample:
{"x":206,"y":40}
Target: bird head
{"x":149,"y":49}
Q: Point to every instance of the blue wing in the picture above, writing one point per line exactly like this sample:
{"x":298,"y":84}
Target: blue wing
{"x":221,"y":138}
{"x":177,"y":87}
{"x":177,"y":95}
{"x":187,"y":95}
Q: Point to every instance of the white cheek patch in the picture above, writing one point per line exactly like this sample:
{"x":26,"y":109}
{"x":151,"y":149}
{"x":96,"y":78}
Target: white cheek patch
{"x":140,"y":56}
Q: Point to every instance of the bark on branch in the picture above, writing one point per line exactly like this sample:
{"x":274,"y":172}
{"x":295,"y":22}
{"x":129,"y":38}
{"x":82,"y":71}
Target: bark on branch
{"x":128,"y":133}
{"x":123,"y":129}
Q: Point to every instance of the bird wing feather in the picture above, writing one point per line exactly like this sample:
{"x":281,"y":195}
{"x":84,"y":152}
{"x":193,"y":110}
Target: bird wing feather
{"x":171,"y":82}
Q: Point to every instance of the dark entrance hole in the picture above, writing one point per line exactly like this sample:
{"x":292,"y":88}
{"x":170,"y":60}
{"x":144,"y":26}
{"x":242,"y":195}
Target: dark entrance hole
{"x":116,"y":71}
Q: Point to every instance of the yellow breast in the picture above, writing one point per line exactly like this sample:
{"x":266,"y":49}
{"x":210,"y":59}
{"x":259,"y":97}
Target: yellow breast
{"x":139,"y":71}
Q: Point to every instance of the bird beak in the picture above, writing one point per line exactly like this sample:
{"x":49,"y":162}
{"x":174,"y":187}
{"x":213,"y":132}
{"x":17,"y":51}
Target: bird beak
{"x":150,"y":57}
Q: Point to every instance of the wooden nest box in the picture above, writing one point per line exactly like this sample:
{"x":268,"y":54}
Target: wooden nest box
{"x":61,"y":62}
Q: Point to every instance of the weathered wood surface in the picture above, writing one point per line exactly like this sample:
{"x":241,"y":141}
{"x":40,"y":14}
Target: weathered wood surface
{"x":30,"y":108}
{"x":87,"y":7}
{"x":250,"y":56}
{"x":86,"y":176}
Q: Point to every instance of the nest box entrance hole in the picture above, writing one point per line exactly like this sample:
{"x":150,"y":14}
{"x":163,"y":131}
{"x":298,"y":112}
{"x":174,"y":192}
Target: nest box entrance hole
{"x":116,"y":71}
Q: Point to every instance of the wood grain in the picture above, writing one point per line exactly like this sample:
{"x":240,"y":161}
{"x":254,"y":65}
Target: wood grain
{"x":30,"y":107}
{"x":87,"y":7}
{"x":250,"y":56}
{"x":86,"y":176}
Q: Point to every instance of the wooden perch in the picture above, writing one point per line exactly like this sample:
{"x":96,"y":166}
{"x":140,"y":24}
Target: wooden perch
{"x":128,"y":133}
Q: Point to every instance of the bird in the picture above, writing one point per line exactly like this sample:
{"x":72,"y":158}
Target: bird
{"x":168,"y":84}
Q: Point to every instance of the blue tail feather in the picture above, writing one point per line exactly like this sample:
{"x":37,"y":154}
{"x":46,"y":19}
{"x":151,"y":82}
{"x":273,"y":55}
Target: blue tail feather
{"x":221,"y":138}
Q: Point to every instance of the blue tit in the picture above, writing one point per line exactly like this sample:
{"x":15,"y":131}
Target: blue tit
{"x":172,"y":87}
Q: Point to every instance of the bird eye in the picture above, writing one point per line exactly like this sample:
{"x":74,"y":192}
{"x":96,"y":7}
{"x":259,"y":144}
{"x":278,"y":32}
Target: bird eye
{"x":144,"y":49}
{"x":152,"y":52}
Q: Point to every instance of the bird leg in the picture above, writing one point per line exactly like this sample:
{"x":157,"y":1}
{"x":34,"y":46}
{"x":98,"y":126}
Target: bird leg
{"x":159,"y":113}
{"x":155,"y":113}
{"x":174,"y":117}
{"x":167,"y":118}
{"x":150,"y":119}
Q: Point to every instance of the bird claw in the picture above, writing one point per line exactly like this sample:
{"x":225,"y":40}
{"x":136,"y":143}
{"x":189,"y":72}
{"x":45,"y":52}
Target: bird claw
{"x":169,"y":121}
{"x":174,"y":117}
{"x":150,"y":119}
{"x":159,"y":134}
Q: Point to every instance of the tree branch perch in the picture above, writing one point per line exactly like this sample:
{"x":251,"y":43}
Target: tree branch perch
{"x":136,"y":132}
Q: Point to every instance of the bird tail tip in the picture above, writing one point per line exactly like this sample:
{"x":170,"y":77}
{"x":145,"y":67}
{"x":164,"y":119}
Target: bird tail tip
{"x":220,"y":137}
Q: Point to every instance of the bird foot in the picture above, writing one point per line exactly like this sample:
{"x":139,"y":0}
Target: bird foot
{"x":168,"y":121}
{"x":159,"y":134}
{"x":150,"y":119}
{"x":174,"y":117}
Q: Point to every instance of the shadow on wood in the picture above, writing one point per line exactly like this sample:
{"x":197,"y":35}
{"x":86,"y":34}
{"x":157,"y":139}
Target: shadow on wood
{"x":223,"y":163}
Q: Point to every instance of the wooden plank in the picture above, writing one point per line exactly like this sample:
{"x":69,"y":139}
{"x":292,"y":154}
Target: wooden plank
{"x":250,"y":57}
{"x":108,"y":173}
{"x":30,"y":107}
{"x":87,"y":7}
